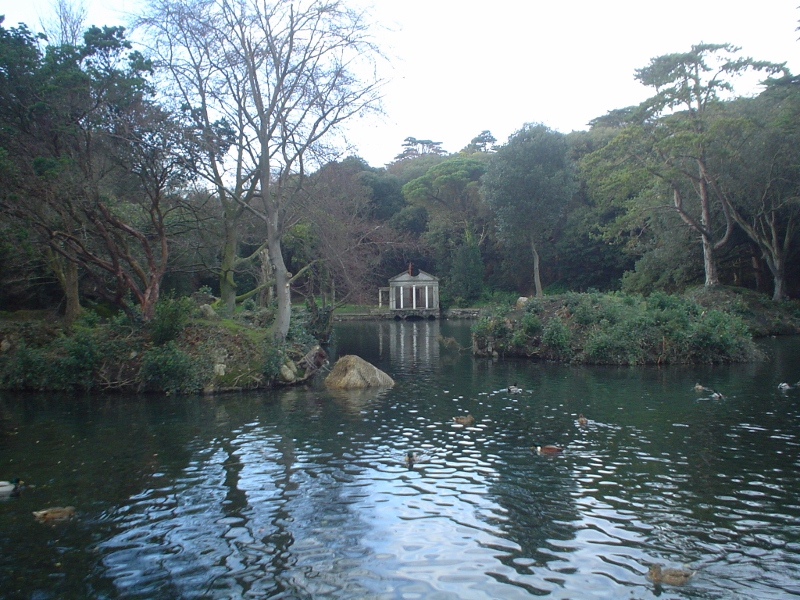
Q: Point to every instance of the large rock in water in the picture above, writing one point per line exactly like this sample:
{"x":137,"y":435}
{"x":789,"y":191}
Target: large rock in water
{"x":352,"y":371}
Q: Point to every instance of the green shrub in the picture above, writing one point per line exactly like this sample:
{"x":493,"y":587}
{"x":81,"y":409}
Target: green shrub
{"x":298,"y":333}
{"x":74,"y":363}
{"x":67,"y":364}
{"x":530,"y":324}
{"x":274,"y":358}
{"x":556,"y":340}
{"x":534,"y":305}
{"x":720,"y":337}
{"x":23,"y":370}
{"x":88,"y":318}
{"x":169,"y":319}
{"x":168,"y":369}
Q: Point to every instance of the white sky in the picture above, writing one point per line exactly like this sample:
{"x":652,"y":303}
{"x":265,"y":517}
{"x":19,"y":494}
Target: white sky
{"x":461,"y":66}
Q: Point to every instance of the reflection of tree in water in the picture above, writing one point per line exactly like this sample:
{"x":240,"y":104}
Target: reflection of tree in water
{"x":251,"y":510}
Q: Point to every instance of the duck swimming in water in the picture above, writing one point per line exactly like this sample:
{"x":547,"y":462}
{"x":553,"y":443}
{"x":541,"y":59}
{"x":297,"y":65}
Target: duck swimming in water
{"x":411,"y":459}
{"x":784,"y":386}
{"x":582,"y":421}
{"x":11,"y":489}
{"x":464,"y":420}
{"x":548,"y":449}
{"x":56,"y":513}
{"x":670,"y":576}
{"x":717,"y":395}
{"x":701,"y":388}
{"x":513,"y":389}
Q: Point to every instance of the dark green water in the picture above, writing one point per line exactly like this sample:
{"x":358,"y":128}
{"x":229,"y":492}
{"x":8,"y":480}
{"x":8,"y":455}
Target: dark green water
{"x":302,"y":493}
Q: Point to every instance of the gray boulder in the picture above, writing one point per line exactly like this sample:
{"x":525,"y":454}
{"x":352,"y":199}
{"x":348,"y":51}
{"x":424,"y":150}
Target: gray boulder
{"x":353,"y":372}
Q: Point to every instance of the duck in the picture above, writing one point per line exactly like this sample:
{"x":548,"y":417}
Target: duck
{"x":55,"y":513}
{"x":700,"y":388}
{"x":717,"y":395}
{"x":11,"y":489}
{"x":464,"y":420}
{"x":582,"y":421}
{"x":548,"y":449}
{"x":784,"y":386}
{"x":670,"y":576}
{"x":410,"y":459}
{"x":513,"y":389}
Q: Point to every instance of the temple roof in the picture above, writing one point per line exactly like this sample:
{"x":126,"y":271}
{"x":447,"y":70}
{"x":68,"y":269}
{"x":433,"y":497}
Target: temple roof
{"x":422,"y":276}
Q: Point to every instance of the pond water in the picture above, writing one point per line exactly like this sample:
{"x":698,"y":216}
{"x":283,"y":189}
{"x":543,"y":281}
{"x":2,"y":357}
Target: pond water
{"x":303,"y":492}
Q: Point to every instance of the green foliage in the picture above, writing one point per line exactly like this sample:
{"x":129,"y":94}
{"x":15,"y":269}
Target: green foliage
{"x":413,"y":219}
{"x":299,"y":333}
{"x":88,"y":318}
{"x":66,"y":364}
{"x":168,"y":369}
{"x":23,"y":370}
{"x":556,"y":340}
{"x":494,"y":329}
{"x":528,"y":184}
{"x":622,"y":329}
{"x":274,"y":359}
{"x":466,"y":281}
{"x":170,"y":317}
{"x":76,"y":358}
{"x":530,"y":325}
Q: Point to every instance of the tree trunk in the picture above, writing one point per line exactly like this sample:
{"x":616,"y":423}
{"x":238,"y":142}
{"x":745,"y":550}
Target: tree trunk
{"x":267,"y":292}
{"x":66,"y":272}
{"x":283,"y":315}
{"x":779,"y":291}
{"x":536,"y":277}
{"x":709,"y":262}
{"x":71,"y":293}
{"x":150,"y":298}
{"x":227,"y":282}
{"x":758,"y":270}
{"x":777,"y":267}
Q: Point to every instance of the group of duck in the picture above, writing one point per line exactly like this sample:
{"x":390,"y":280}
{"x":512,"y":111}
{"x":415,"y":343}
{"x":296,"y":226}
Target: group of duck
{"x":411,"y":458}
{"x":718,"y":396}
{"x":657,"y":573}
{"x":14,"y":488}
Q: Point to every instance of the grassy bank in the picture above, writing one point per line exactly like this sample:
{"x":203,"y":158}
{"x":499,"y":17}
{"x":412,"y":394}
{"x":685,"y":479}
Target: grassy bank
{"x":702,"y":326}
{"x":182,"y":350}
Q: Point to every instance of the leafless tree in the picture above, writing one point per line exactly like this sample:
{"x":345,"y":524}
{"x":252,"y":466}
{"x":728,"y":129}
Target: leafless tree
{"x":66,"y":23}
{"x":267,"y":84}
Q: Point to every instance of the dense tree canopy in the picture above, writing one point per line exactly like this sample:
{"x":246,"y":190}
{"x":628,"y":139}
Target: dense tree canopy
{"x":529,"y":184}
{"x":212,"y":161}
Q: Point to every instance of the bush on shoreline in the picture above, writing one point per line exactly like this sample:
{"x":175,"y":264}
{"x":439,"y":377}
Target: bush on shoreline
{"x":179,"y":351}
{"x":712,"y":326}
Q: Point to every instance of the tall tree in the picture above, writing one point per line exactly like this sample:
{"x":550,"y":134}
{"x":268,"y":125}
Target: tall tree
{"x":667,"y":136}
{"x":450,"y":191}
{"x":60,"y":112}
{"x":276,"y":78}
{"x":483,"y":142}
{"x":412,"y":148}
{"x":528,"y":184}
{"x":756,"y":153}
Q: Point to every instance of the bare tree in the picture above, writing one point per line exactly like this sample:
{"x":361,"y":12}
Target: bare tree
{"x":66,"y":23}
{"x":268,"y":84}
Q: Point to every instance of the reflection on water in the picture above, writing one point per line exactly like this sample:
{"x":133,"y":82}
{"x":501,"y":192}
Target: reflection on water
{"x":305,"y":492}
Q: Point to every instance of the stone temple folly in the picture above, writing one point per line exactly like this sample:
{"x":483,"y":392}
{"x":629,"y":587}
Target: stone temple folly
{"x":411,"y":296}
